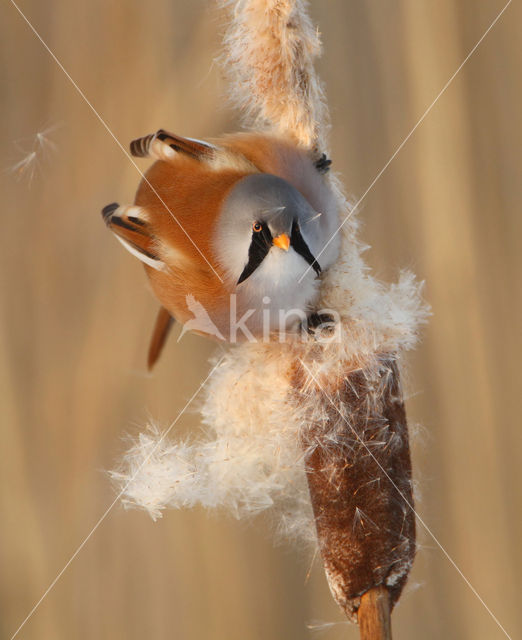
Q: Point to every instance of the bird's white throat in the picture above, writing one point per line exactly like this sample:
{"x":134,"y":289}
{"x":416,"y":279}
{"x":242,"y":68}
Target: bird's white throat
{"x":274,"y":294}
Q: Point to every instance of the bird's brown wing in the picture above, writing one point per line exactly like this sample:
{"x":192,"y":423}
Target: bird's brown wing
{"x":162,"y":145}
{"x":131,"y":226}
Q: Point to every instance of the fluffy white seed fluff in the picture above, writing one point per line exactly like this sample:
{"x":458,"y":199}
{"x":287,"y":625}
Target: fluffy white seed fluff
{"x":249,"y":457}
{"x":270,"y":48}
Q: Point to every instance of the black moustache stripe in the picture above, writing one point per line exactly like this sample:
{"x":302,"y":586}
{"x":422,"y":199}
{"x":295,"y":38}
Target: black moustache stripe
{"x":262,"y":243}
{"x":298,"y":243}
{"x":259,"y":248}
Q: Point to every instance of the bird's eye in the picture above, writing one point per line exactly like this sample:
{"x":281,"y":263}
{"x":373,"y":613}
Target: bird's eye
{"x":257,"y":226}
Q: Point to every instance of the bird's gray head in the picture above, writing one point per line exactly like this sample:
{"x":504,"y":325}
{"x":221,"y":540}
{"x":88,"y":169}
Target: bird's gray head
{"x":264,"y":216}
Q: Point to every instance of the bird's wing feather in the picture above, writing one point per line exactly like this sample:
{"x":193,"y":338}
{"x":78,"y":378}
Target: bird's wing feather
{"x":130,"y":225}
{"x":163,"y":145}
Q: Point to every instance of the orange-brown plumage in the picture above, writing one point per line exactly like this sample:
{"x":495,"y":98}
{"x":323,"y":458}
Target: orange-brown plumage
{"x":190,"y":197}
{"x":173,"y":225}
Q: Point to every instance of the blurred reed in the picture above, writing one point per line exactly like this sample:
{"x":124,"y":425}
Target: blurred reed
{"x":76,"y":315}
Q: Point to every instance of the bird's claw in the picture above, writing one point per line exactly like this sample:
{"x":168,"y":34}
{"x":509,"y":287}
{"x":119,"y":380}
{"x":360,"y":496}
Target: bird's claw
{"x":320,"y":325}
{"x":322,"y":164}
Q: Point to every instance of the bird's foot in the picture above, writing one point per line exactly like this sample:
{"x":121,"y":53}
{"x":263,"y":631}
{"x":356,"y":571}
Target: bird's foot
{"x":320,"y":325}
{"x":322,"y":164}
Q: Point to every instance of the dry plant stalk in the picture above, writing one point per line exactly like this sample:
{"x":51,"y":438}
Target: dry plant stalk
{"x":329,"y":426}
{"x":357,"y":456}
{"x":374,"y":615}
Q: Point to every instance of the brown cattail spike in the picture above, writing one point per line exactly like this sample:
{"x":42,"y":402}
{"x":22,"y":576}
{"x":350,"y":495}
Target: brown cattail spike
{"x":359,"y":476}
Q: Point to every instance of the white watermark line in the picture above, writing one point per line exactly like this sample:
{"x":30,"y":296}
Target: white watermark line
{"x":110,"y":507}
{"x":421,"y":119}
{"x":419,"y":518}
{"x":109,"y":130}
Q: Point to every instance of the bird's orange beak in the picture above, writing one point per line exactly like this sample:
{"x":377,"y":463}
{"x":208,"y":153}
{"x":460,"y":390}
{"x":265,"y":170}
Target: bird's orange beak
{"x":282,"y":241}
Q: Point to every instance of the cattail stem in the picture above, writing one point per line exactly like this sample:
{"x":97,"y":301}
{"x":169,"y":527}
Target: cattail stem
{"x":374,"y":615}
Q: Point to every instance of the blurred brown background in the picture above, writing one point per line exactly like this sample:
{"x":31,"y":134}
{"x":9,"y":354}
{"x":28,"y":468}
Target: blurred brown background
{"x":76,"y":316}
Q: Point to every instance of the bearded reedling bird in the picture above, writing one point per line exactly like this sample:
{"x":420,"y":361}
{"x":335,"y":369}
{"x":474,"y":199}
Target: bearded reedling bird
{"x":233,"y":235}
